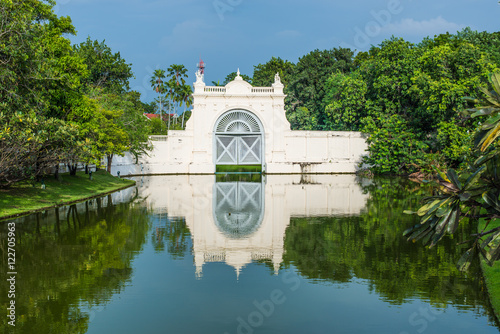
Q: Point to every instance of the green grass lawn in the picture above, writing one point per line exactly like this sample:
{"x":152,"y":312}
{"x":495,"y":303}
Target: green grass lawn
{"x":492,"y":275}
{"x":24,"y":198}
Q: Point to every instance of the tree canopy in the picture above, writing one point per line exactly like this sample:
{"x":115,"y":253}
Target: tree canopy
{"x":52,"y":95}
{"x":307,"y":83}
{"x":107,"y":70}
{"x":263,"y":74}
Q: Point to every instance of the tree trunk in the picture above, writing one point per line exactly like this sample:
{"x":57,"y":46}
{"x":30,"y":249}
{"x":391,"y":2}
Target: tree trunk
{"x":72,"y":169}
{"x":56,"y":172}
{"x":182,"y":126}
{"x":110,"y":160}
{"x":37,"y":170}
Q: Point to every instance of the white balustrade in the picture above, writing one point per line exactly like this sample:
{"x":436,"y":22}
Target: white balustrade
{"x":255,"y":90}
{"x":267,"y":90}
{"x":215,"y":89}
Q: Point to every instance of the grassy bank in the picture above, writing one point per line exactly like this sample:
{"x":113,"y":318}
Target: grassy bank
{"x":492,"y":276}
{"x":24,"y":198}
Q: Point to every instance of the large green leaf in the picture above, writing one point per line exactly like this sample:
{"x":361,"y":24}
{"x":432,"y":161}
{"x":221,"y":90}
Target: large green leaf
{"x":495,"y":80}
{"x":472,"y":179}
{"x":453,"y":177}
{"x":490,"y":122}
{"x":425,"y":208}
{"x":444,"y":221}
{"x":441,"y":175}
{"x":466,"y":259}
{"x":491,"y":198}
{"x":488,"y":96}
{"x":482,"y":159}
{"x":432,"y":207}
{"x":436,"y":238}
{"x":493,"y":252}
{"x":489,"y":137}
{"x":454,"y":220}
{"x":482,"y":111}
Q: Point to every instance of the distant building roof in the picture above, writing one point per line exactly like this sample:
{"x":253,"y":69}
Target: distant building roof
{"x":151,"y":115}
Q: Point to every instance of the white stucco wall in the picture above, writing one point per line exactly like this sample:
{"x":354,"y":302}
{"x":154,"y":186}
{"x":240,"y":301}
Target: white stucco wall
{"x":285,"y":151}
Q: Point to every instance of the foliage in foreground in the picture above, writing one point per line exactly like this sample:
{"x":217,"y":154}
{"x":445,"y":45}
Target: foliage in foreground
{"x":472,"y":195}
{"x":60,"y":104}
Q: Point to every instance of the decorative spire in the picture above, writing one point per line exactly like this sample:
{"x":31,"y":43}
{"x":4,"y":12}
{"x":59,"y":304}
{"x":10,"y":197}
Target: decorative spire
{"x":238,"y":76}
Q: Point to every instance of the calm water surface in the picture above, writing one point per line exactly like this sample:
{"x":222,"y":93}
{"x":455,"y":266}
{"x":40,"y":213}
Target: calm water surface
{"x":286,"y":254}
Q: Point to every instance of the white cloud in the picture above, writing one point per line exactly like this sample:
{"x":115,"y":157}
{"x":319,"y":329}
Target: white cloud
{"x":423,"y":28}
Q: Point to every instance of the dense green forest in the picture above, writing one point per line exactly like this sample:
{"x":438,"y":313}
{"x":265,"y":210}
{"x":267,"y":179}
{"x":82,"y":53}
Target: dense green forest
{"x":407,"y":97}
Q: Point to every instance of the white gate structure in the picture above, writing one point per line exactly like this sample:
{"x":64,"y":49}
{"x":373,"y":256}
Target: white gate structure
{"x":243,"y":125}
{"x":238,"y":139}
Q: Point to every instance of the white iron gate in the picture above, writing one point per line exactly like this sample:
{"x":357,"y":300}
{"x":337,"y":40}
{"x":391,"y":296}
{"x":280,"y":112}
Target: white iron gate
{"x":238,"y":150}
{"x":238,"y":139}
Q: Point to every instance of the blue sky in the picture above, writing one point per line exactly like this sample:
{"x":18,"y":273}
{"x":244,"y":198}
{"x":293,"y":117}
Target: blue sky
{"x":232,"y":34}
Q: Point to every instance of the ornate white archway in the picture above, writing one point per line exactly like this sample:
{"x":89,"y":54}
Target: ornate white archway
{"x":238,"y":139}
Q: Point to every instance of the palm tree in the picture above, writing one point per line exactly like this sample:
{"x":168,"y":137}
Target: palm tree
{"x":158,"y":86}
{"x":172,"y":94}
{"x":178,"y":72}
{"x":177,"y":75}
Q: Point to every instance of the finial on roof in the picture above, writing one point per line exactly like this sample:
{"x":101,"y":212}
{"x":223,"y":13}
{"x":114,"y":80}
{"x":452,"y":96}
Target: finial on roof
{"x":238,"y":76}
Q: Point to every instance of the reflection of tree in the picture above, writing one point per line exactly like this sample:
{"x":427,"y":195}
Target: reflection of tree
{"x":370,"y":247}
{"x":175,"y":233}
{"x":68,"y":263}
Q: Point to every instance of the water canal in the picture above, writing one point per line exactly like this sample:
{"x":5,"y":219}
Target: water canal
{"x":283,"y":254}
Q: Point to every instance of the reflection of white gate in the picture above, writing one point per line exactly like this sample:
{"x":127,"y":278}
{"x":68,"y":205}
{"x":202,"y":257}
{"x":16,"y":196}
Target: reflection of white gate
{"x":238,"y":139}
{"x":238,"y":207}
